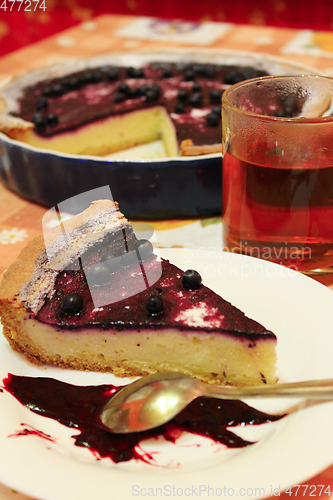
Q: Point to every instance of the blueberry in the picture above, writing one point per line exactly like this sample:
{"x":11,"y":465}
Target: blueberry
{"x":250,"y":73}
{"x":135,"y":72}
{"x":143,"y":89}
{"x":87,"y":77}
{"x":65,"y":83}
{"x":118,"y":97}
{"x":112,"y":74}
{"x":154,"y":305}
{"x":139,"y":73}
{"x":109,"y":256}
{"x":153,"y":93}
{"x":112,"y":262}
{"x":180,"y":108}
{"x":150,"y":96}
{"x":167,"y":73}
{"x":290,"y":106}
{"x":52,"y":119}
{"x":155,"y":88}
{"x":212,"y":120}
{"x":288,"y":112}
{"x":182,"y":95}
{"x":205,"y":70}
{"x":123,"y":88}
{"x":73,"y":82}
{"x":47,"y":91}
{"x":189,"y":75}
{"x":128,"y":258}
{"x":129,"y":71}
{"x":41,"y":103}
{"x":196,"y":99}
{"x":210,"y":71}
{"x":39,"y":121}
{"x":97,"y":76}
{"x":99,"y":274}
{"x":144,"y":249}
{"x":182,"y":67}
{"x":133,"y":92}
{"x":191,"y":279}
{"x":232,"y":77}
{"x":215,"y":96}
{"x":81,"y":79}
{"x":57,"y":90}
{"x":199,"y":69}
{"x":280,"y":113}
{"x":72,"y":303}
{"x":217,"y":110}
{"x":196,"y":87}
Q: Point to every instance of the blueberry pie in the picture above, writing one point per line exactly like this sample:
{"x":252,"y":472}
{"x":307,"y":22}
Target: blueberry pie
{"x":97,"y":298}
{"x":101,"y":106}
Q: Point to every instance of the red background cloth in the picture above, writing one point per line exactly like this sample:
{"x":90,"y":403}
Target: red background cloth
{"x":20,"y":27}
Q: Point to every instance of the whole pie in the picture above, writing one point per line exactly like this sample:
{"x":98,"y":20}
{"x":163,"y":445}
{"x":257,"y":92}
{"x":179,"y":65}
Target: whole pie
{"x":91,"y":296}
{"x":102,"y":105}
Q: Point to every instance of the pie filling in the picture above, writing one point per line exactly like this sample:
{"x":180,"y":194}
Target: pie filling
{"x":109,"y":135}
{"x":213,"y":357}
{"x":124,"y":297}
{"x":190,"y":95}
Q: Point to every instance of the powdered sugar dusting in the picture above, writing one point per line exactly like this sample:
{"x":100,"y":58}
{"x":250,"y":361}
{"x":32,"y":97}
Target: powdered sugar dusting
{"x":202,"y":316}
{"x":199,"y":113}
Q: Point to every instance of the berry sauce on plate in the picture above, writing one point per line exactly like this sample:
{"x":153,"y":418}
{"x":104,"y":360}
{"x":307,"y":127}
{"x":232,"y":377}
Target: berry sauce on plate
{"x":78,"y":407}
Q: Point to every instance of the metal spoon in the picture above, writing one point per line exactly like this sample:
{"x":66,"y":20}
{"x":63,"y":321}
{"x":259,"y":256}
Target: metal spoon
{"x":155,"y":399}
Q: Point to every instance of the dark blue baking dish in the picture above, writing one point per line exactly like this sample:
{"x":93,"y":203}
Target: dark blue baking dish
{"x":149,"y":189}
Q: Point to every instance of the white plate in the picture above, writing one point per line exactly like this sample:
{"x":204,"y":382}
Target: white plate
{"x":287,"y":452}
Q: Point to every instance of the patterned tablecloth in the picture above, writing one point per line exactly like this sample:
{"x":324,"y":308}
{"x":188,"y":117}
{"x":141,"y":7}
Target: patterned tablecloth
{"x":20,"y":220}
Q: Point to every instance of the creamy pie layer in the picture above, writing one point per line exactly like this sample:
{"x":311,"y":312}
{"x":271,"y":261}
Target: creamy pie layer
{"x":212,"y":357}
{"x":112,"y":134}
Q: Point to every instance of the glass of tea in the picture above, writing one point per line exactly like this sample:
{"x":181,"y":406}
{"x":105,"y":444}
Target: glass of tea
{"x":277,"y":146}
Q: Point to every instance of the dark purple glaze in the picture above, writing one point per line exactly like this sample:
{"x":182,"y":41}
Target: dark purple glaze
{"x":131,"y":313}
{"x":79,"y":407}
{"x":75,"y":105}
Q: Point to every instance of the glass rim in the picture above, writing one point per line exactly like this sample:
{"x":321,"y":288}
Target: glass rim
{"x":275,"y":119}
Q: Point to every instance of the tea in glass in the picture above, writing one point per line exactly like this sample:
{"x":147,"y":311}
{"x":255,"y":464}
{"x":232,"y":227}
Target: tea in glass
{"x":278,"y":171}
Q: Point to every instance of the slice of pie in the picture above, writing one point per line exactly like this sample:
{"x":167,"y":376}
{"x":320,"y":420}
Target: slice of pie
{"x":94,"y":297}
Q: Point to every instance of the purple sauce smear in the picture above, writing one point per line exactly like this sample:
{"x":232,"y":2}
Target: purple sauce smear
{"x":79,"y":407}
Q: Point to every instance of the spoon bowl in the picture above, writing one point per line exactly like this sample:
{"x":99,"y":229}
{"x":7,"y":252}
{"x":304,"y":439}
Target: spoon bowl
{"x":156,"y":399}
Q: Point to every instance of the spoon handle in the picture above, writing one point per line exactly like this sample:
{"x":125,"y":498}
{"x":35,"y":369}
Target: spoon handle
{"x":319,"y":389}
